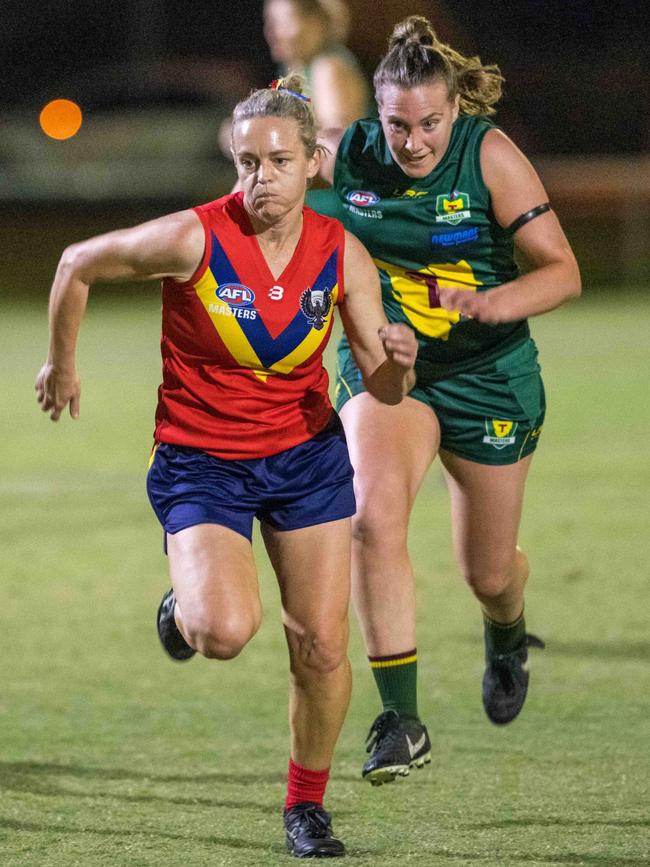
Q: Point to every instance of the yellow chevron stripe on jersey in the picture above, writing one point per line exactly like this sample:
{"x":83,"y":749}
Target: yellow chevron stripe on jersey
{"x":235,"y":340}
{"x":227,"y":326}
{"x":311,"y":342}
{"x":413,"y":295}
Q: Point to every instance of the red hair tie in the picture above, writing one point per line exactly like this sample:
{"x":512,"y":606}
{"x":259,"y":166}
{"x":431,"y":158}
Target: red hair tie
{"x":276,"y":84}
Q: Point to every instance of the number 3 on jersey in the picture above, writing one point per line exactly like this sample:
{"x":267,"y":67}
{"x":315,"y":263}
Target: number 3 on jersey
{"x":276,"y":293}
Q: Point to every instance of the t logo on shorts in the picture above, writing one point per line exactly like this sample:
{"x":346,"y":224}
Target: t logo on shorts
{"x":501,"y":428}
{"x":499,"y":435}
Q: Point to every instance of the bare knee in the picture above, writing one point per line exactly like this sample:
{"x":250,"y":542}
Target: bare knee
{"x":221,"y":637}
{"x":492,"y":580}
{"x":487,"y":584}
{"x":319,"y":653}
{"x":376,"y":526}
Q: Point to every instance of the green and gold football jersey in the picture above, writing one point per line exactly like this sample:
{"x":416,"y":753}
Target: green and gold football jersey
{"x":426,"y":233}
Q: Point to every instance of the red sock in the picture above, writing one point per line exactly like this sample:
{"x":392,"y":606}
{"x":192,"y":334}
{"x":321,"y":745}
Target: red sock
{"x":305,"y":785}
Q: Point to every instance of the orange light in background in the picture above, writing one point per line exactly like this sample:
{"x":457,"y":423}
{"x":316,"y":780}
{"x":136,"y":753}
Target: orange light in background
{"x":60,"y":119}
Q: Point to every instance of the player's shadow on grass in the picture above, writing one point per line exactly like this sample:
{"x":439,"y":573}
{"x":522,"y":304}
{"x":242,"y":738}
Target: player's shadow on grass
{"x":52,"y":769}
{"x":37,"y":778}
{"x":626,"y":650}
{"x":40,"y":778}
{"x":238,"y":843}
{"x":62,"y":769}
{"x":208,"y":839}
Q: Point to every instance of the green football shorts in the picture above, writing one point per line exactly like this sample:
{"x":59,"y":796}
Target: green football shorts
{"x":491,"y":414}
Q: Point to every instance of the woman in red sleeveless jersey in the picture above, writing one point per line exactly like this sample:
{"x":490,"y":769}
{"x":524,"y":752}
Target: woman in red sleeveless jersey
{"x":244,"y":426}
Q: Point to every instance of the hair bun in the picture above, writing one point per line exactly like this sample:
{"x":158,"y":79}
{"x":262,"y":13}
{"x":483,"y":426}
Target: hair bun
{"x":414,"y":29}
{"x":292,"y":81}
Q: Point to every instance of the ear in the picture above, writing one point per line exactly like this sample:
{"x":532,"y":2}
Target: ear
{"x":313,"y":164}
{"x":456,"y":107}
{"x":226,"y":137}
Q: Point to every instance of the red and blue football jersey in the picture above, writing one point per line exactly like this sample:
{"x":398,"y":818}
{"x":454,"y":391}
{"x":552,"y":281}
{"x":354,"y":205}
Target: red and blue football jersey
{"x":242,"y":351}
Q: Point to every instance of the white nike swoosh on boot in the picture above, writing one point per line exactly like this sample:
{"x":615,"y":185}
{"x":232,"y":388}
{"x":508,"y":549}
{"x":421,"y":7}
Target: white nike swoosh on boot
{"x":414,"y":747}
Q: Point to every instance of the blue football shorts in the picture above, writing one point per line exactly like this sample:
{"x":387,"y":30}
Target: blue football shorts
{"x":308,"y":484}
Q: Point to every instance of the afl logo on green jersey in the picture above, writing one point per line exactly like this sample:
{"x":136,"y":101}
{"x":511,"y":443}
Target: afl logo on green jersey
{"x":452,"y":209}
{"x":362,"y":198}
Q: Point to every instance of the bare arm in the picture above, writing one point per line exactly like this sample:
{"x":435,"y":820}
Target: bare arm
{"x":554,"y":278}
{"x":329,"y":140}
{"x":340,"y":92}
{"x":385,"y":353}
{"x":169,"y":247}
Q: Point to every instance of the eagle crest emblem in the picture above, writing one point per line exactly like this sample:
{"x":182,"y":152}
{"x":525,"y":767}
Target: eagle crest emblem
{"x":315,"y":304}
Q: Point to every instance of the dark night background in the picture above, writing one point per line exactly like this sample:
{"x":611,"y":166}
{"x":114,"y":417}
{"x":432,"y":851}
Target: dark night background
{"x":155,"y":78}
{"x":577,"y":72}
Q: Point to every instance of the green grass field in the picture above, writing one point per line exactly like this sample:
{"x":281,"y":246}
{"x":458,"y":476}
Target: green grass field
{"x":110,"y":754}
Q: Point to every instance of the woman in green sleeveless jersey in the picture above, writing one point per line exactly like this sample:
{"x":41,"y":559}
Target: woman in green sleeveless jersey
{"x":441,"y":197}
{"x":308,"y":37}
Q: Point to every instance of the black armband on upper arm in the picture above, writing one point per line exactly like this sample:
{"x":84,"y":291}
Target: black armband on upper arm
{"x":527,"y":217}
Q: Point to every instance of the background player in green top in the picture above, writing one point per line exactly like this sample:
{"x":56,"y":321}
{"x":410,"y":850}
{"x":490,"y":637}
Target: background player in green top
{"x":441,"y":197}
{"x":308,"y":37}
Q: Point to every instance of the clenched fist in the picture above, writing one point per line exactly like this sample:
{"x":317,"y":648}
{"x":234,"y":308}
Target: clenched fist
{"x":400,"y":344}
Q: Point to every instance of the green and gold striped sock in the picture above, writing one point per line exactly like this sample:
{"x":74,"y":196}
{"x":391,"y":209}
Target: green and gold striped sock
{"x":396,"y":679}
{"x":503,"y":637}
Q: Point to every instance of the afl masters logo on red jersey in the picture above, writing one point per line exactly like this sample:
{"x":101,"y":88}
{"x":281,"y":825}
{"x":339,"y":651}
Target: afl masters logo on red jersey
{"x":235,"y":294}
